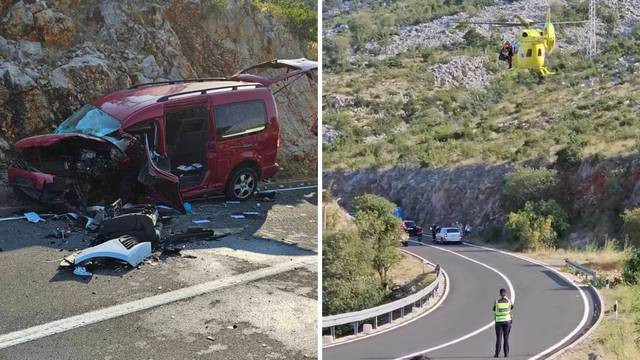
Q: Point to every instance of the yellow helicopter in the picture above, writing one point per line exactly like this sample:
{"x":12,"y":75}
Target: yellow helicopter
{"x":532,"y":45}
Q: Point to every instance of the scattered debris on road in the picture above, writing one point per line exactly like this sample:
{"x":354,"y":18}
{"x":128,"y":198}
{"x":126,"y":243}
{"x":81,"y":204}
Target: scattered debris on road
{"x":130,"y":233}
{"x":33,"y":217}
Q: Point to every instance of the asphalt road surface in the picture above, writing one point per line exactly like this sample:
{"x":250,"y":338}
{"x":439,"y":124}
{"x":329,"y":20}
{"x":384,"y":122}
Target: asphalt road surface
{"x":549,"y":312}
{"x":263,"y":316}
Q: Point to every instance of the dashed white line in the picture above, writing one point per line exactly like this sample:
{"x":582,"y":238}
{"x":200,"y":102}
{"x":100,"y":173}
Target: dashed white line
{"x":92,"y":317}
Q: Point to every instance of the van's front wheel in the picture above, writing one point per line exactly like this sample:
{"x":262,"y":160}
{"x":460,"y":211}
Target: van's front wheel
{"x":242,"y":184}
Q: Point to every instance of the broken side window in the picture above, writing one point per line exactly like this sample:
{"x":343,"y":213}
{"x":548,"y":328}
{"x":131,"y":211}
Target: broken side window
{"x":148,"y":128}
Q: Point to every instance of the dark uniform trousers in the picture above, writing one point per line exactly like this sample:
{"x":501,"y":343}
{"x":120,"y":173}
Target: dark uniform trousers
{"x":502,"y":334}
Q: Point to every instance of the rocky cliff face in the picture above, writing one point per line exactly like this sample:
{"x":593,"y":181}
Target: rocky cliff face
{"x":594,"y":193}
{"x":468,"y":194}
{"x":56,"y":55}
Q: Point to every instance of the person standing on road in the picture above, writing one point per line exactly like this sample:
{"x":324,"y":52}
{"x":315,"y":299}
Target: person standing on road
{"x":502,"y":311}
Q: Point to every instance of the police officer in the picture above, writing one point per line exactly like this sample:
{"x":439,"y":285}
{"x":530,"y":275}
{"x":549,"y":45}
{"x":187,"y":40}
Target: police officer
{"x":502,"y":311}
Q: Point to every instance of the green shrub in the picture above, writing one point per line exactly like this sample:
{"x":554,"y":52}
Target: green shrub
{"x":427,"y":55}
{"x":336,"y":50}
{"x":631,"y":269}
{"x":362,"y":28}
{"x":528,"y":184}
{"x":381,"y":230}
{"x":531,"y":231}
{"x":474,"y":39}
{"x":568,"y":157}
{"x":631,"y":219}
{"x":349,"y":281}
{"x":394,"y":63}
{"x":550,"y":209}
{"x":300,"y":16}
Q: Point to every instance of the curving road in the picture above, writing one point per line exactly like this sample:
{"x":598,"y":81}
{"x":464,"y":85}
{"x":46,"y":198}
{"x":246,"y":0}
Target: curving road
{"x":549,"y":312}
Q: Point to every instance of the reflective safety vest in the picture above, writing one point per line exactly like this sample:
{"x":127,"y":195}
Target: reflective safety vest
{"x":503,"y":311}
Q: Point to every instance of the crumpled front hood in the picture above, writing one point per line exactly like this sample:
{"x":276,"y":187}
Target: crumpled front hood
{"x":52,"y":139}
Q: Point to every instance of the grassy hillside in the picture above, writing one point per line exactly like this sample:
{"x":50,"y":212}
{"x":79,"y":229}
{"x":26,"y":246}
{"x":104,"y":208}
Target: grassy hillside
{"x":398,"y":114}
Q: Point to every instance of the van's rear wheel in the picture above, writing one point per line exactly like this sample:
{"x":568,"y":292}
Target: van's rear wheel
{"x":242,"y":184}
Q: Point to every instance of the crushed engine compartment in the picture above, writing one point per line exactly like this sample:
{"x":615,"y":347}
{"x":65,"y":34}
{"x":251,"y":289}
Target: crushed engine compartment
{"x":83,"y":171}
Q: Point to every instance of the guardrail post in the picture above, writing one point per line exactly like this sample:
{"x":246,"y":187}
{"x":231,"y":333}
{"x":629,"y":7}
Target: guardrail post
{"x":402,"y":312}
{"x":355,"y":328}
{"x":390,"y":317}
{"x":375,"y":322}
{"x":333,"y":332}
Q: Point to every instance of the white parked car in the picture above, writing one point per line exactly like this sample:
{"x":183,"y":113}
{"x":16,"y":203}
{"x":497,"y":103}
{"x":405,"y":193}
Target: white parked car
{"x":449,"y":235}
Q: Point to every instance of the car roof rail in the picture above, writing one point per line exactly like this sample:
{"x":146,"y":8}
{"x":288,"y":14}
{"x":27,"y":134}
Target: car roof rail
{"x":171,"y":82}
{"x":204,"y":91}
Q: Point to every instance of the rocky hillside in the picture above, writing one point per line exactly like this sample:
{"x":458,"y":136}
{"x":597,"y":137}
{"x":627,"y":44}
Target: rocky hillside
{"x":56,"y":55}
{"x":594,"y":192}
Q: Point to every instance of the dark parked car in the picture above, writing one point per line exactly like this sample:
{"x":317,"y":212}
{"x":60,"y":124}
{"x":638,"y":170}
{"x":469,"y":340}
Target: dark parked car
{"x":162,"y":141}
{"x":410,"y":227}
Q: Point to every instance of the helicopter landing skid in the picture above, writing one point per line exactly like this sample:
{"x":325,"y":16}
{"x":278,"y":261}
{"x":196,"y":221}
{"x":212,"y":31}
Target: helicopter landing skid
{"x":544,"y":71}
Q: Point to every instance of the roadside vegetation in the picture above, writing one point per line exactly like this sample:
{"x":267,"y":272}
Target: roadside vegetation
{"x":362,"y":261}
{"x":620,"y":267}
{"x":301,"y":15}
{"x":537,"y":224}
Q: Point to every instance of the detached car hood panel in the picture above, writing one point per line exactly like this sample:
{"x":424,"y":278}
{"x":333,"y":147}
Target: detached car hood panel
{"x":52,"y":139}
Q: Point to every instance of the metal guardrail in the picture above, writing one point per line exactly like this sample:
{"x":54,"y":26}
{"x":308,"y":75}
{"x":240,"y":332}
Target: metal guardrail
{"x":355,"y":318}
{"x":582,"y":269}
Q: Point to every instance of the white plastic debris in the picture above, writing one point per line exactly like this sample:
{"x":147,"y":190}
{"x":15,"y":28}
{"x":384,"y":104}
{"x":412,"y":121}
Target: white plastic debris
{"x":203,"y":221}
{"x":234,"y":216}
{"x":124,"y":248}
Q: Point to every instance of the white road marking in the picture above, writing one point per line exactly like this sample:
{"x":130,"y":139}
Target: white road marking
{"x":585,"y":314}
{"x":92,"y":317}
{"x":587,"y":333}
{"x":440,"y":301}
{"x":292,"y":188}
{"x":475,"y":332}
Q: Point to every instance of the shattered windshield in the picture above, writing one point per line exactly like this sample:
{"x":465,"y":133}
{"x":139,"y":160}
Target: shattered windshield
{"x":89,"y":120}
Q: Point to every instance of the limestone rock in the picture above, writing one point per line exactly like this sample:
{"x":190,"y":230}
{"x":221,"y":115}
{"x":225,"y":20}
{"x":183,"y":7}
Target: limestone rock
{"x":54,"y":28}
{"x":150,"y":68}
{"x":18,"y":22}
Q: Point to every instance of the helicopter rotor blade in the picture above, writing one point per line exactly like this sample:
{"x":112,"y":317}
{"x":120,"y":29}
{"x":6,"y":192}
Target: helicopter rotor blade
{"x":570,"y":22}
{"x":501,"y":24}
{"x":515,"y":24}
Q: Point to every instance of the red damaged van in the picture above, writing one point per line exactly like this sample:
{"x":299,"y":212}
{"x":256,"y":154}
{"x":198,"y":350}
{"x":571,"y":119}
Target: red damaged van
{"x":162,"y":141}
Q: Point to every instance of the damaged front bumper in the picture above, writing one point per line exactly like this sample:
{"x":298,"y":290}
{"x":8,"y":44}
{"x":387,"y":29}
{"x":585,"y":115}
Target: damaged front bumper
{"x":79,"y":171}
{"x":126,"y":248}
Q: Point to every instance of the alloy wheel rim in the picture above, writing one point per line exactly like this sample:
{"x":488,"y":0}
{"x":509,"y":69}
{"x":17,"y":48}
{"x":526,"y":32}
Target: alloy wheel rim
{"x":244,"y":186}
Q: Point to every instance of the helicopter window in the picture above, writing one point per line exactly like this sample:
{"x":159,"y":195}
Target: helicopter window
{"x":529,"y":53}
{"x":539,"y":52}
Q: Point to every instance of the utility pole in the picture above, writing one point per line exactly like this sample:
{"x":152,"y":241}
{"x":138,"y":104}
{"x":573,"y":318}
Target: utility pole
{"x":591,"y":52}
